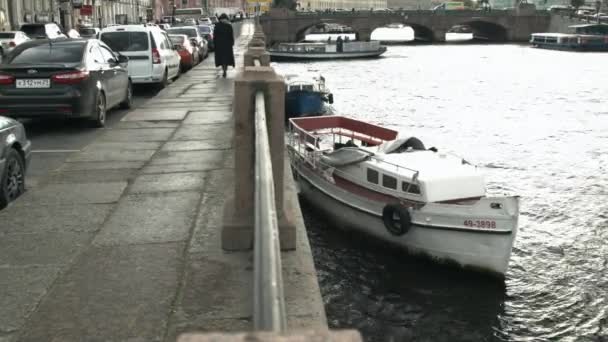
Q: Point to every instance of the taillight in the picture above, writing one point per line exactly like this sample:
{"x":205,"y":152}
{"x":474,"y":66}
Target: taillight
{"x":155,"y":56}
{"x":71,"y":77}
{"x":6,"y":79}
{"x":12,"y":44}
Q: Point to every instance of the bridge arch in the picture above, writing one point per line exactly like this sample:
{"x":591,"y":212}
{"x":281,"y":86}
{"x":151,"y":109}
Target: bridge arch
{"x":422,"y":33}
{"x":487,"y":31}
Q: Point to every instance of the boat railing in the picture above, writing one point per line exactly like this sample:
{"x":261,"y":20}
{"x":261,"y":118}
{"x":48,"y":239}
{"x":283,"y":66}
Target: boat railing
{"x":309,"y":146}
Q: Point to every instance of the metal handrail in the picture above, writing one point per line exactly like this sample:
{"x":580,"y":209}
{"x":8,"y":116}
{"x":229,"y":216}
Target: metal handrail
{"x":268,"y":300}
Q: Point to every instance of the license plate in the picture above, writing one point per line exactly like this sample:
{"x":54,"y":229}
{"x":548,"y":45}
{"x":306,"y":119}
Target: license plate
{"x":34,"y":83}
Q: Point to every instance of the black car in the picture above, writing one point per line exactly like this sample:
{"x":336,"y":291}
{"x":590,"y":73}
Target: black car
{"x":15,"y":151}
{"x":73,"y":78}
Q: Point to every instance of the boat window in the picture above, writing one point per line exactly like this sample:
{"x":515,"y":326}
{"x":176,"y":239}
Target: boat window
{"x":389,"y":182}
{"x":372,"y":176}
{"x":411,"y":188}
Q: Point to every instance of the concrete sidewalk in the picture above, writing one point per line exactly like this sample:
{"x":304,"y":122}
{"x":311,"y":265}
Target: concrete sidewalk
{"x":122,"y":243}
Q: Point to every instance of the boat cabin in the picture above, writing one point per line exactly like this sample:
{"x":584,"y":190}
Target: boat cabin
{"x":590,"y":29}
{"x":362,"y":155}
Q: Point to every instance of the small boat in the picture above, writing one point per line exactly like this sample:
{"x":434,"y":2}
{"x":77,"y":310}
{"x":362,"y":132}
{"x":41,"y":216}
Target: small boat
{"x":324,"y":50}
{"x":306,"y":96}
{"x":430,"y":203}
{"x":587,"y":37}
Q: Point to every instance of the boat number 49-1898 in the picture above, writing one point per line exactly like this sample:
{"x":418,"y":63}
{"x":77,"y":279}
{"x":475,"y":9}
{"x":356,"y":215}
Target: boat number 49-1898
{"x":480,"y":224}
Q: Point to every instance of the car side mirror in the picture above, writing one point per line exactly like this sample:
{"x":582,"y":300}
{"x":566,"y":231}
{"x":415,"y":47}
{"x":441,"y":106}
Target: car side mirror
{"x":123,"y":59}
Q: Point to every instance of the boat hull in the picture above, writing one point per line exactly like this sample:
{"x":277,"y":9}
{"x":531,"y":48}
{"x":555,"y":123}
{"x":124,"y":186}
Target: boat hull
{"x":290,"y":56}
{"x":570,"y":47}
{"x":480,"y":250}
{"x":303,"y":103}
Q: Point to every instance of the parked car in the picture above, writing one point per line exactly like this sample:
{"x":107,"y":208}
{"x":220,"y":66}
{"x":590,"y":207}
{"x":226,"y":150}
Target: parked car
{"x":207,"y":32}
{"x":187,"y":52}
{"x":73,"y":78}
{"x":9,"y":40}
{"x":195,"y":37}
{"x":73,"y":34}
{"x":205,"y":21}
{"x":88,"y":32}
{"x":43,"y":31}
{"x":152,"y":57}
{"x":15,"y":151}
{"x":164,"y":26}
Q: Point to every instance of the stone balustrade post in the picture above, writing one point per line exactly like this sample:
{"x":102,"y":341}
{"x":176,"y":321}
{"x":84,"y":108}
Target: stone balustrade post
{"x":237,"y":232}
{"x":256,"y":53}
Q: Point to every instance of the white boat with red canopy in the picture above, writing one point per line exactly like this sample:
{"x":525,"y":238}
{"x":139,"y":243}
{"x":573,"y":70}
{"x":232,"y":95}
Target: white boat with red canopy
{"x":368,"y":178}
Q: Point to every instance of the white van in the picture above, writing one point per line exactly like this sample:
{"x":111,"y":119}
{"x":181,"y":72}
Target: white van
{"x":152,"y":57}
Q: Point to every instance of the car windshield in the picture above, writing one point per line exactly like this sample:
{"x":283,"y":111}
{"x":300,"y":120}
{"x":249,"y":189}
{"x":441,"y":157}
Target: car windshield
{"x":34,"y":30}
{"x":190,"y":32}
{"x":204,"y":29}
{"x":177,"y":39}
{"x":4,"y":35}
{"x":47,"y":53}
{"x":126,"y":41}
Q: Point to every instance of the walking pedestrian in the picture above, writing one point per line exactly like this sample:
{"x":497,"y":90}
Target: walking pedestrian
{"x":223,"y":38}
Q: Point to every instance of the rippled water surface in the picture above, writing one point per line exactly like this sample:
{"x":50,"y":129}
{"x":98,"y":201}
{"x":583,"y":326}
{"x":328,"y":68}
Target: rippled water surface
{"x":537,"y":120}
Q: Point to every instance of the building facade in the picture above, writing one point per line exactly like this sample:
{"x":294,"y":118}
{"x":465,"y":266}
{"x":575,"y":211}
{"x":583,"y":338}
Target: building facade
{"x":71,"y":13}
{"x":410,"y":4}
{"x":312,"y":5}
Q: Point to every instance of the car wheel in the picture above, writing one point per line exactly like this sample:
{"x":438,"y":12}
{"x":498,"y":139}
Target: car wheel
{"x":165,"y":82}
{"x":179,"y":72}
{"x":99,"y":118}
{"x":13,"y":178}
{"x":128,"y":102}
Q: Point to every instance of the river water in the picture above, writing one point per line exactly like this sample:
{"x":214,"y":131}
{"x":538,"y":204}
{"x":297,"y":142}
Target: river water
{"x":537,"y":121}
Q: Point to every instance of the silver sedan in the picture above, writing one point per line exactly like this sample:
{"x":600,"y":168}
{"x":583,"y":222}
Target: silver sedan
{"x":15,"y":152}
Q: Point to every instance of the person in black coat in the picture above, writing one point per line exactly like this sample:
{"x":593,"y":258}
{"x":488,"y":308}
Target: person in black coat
{"x":223,"y":38}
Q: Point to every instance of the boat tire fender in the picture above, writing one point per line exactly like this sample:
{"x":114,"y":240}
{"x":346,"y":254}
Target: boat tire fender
{"x":398,"y":226}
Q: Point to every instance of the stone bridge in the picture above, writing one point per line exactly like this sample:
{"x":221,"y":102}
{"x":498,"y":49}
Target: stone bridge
{"x":515,"y":25}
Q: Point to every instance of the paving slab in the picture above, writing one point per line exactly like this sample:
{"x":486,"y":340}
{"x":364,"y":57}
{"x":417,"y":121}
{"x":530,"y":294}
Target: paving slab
{"x":85,"y":193}
{"x":195,"y":324}
{"x":21,"y":288}
{"x":115,"y":145}
{"x":145,"y":124}
{"x":142,"y":134}
{"x":195,"y":145}
{"x":167,"y":182}
{"x":208,"y":117}
{"x":208,"y":159}
{"x":150,"y":218}
{"x":156,"y":115}
{"x":204,"y":132}
{"x":23,"y":218}
{"x":231,"y":272}
{"x":119,"y":293}
{"x":111,"y":155}
{"x":86,"y":176}
{"x":45,"y":248}
{"x":113,"y":165}
{"x":206,"y":239}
